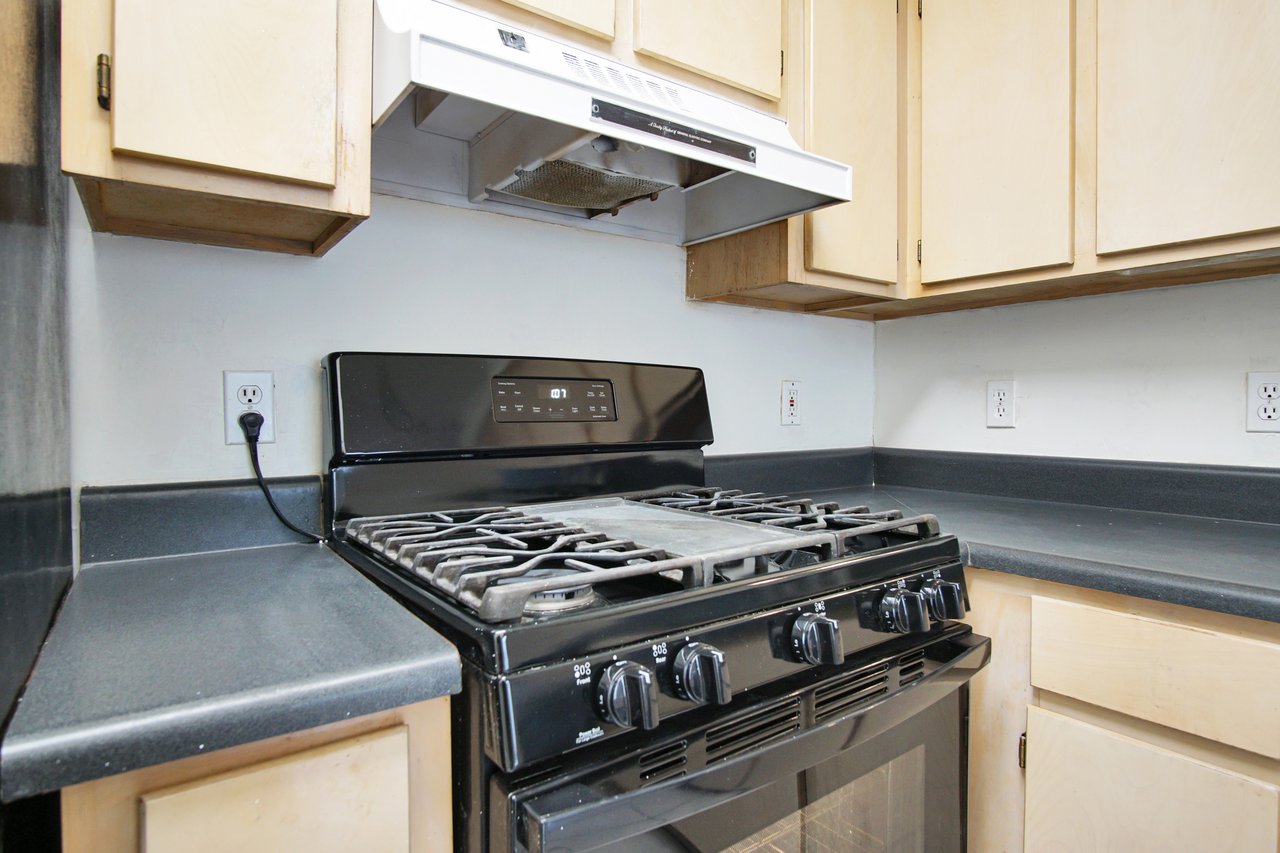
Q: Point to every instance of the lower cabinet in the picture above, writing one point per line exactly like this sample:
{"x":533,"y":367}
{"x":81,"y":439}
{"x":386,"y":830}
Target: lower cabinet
{"x":1106,"y":722}
{"x":380,"y":782}
{"x":1089,"y":788}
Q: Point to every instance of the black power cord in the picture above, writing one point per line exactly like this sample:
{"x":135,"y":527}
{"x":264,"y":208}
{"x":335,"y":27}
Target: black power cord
{"x":251,"y":425}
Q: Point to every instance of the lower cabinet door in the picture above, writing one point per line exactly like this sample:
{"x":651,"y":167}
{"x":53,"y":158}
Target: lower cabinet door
{"x":1092,"y":789}
{"x":350,"y":795}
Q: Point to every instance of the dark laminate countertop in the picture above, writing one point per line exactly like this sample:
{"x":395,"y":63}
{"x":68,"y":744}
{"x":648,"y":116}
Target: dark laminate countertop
{"x":1214,"y":564}
{"x":156,"y":659}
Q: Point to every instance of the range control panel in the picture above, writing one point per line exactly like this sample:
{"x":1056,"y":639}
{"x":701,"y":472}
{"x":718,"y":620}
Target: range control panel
{"x":519,"y":399}
{"x":637,"y":686}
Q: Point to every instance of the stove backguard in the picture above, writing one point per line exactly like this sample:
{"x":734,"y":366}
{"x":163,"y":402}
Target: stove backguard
{"x":414,"y":432}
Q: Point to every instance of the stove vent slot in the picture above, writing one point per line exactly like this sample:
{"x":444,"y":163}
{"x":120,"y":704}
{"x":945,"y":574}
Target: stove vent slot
{"x":747,"y":733}
{"x":835,"y":698}
{"x":910,"y":667}
{"x":666,"y":762}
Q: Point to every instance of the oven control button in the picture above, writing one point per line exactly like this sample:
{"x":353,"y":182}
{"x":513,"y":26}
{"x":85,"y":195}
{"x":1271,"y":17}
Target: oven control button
{"x":816,"y":639}
{"x":628,"y":695}
{"x":945,"y":599}
{"x":904,"y":612}
{"x":701,"y":674}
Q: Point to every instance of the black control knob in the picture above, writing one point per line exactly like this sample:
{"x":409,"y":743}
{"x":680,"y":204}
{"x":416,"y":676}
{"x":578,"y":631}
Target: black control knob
{"x":628,"y":695}
{"x":701,"y":674}
{"x":816,"y":638}
{"x":904,"y":612}
{"x":945,"y":599}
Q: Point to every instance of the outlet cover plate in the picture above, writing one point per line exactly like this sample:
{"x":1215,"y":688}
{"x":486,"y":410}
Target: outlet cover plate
{"x":1262,"y":402}
{"x":1002,"y":411}
{"x":790,"y":402}
{"x":238,"y":385}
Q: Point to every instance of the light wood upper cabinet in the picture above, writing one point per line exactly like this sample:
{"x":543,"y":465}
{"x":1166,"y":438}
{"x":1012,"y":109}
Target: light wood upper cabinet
{"x":852,"y":115}
{"x":591,"y":16}
{"x":1092,"y":789}
{"x":996,"y":154}
{"x":235,"y":123}
{"x":1188,"y":121}
{"x":738,"y":42}
{"x":842,"y":102}
{"x":191,"y":78}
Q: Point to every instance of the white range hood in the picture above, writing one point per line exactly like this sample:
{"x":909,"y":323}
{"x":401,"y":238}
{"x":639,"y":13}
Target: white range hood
{"x":520,"y":123}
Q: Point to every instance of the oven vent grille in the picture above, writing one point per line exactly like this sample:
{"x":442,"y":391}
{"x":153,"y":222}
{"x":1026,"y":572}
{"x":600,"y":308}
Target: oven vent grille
{"x":837,"y":697}
{"x":911,"y":667}
{"x":754,"y":730}
{"x":665,"y":762}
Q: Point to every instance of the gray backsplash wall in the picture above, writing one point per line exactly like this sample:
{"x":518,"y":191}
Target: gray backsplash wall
{"x":35,"y":520}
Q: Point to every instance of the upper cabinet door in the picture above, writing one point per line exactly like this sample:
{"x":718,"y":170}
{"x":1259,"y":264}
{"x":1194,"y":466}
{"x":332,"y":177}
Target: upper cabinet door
{"x":1188,"y":121}
{"x":996,"y":153}
{"x":249,"y":86}
{"x":738,"y":42}
{"x":853,"y":117}
{"x":590,"y":16}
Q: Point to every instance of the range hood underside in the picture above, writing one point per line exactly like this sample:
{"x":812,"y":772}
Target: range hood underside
{"x":464,"y":153}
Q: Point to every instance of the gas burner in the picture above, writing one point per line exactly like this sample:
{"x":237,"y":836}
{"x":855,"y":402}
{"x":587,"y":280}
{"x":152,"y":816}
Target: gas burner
{"x":503,"y":563}
{"x":857,"y":528}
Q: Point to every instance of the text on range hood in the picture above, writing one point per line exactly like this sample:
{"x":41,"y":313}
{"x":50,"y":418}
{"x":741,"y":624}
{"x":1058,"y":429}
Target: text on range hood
{"x":546,"y":126}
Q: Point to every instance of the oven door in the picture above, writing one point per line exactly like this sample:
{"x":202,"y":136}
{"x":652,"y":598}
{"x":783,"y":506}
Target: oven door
{"x":887,"y":774}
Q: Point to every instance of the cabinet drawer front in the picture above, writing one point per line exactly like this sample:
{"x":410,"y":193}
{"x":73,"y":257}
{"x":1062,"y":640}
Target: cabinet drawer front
{"x":1092,"y":789}
{"x":1207,"y":683}
{"x":351,"y":795}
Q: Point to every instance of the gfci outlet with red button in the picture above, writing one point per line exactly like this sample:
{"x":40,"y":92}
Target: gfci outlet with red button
{"x":790,"y":402}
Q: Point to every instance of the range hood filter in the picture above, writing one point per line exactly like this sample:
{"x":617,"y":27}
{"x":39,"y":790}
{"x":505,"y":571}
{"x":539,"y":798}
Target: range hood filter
{"x":569,"y":184}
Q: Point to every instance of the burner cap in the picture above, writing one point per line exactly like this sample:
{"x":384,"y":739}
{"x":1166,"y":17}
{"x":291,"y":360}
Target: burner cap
{"x":560,"y":600}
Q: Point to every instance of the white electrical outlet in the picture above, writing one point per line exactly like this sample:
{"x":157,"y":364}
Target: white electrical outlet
{"x":790,"y":402}
{"x":1262,"y":402}
{"x":248,"y":391}
{"x":1002,"y":411}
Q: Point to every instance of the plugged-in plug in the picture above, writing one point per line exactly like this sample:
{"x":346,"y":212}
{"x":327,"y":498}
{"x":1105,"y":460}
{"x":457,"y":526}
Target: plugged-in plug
{"x":251,"y":424}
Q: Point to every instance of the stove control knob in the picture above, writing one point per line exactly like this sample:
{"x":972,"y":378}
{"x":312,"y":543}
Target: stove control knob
{"x":816,"y":639}
{"x":904,"y":612}
{"x":701,"y":674}
{"x":628,"y":695}
{"x":945,"y":599}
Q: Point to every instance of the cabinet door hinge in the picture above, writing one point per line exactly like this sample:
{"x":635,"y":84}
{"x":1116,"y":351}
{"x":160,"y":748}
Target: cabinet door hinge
{"x":919,"y":251}
{"x":782,"y":63}
{"x":1022,"y":750}
{"x":104,"y":81}
{"x":897,"y":250}
{"x":919,"y":8}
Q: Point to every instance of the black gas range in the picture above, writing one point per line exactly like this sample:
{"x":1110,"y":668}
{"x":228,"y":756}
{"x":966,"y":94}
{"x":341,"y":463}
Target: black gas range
{"x":643,"y":654}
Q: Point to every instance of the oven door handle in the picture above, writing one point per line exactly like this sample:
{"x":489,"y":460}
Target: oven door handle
{"x":579,"y":817}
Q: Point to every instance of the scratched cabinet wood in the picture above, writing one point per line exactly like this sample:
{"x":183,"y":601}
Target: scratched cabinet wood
{"x":241,"y":123}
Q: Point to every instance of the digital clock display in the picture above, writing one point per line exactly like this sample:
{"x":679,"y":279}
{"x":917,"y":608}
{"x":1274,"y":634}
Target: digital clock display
{"x":519,"y":399}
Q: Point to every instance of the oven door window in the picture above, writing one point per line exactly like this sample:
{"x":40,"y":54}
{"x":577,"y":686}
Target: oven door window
{"x":881,"y":811}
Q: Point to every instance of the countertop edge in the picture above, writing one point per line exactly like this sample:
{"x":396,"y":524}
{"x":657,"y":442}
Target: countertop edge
{"x":1215,"y":595}
{"x":72,"y":756}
